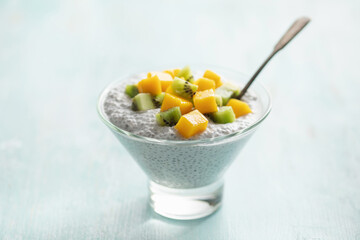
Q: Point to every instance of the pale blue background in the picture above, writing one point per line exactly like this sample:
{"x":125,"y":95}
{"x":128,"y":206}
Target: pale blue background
{"x":64,"y":176}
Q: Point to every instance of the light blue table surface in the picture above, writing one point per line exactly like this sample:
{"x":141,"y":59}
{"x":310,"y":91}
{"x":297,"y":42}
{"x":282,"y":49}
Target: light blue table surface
{"x":63,"y":175}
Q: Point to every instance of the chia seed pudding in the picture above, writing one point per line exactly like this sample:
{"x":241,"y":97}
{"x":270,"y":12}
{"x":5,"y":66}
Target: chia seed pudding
{"x":117,"y":107}
{"x":184,"y":163}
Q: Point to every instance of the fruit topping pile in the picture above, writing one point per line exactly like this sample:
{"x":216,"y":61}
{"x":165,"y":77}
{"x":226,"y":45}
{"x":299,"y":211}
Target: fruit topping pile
{"x":186,"y":103}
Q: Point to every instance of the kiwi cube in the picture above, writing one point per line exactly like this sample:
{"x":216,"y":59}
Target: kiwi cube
{"x":142,"y":102}
{"x":223,"y":115}
{"x":186,"y":74}
{"x":158,"y":99}
{"x":183,"y":88}
{"x":131,"y":90}
{"x":169,"y":117}
{"x":225,"y":95}
{"x":219,"y":101}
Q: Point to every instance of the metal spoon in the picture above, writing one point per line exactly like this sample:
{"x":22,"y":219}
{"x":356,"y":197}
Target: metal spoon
{"x":297,"y":26}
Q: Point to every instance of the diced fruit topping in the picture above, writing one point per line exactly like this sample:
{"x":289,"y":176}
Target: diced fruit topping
{"x":205,"y":83}
{"x":223,"y":115}
{"x":186,"y":74}
{"x":158,"y":99}
{"x":219,"y":101}
{"x":131,"y":90}
{"x":176,"y":93}
{"x":171,"y":101}
{"x":151,"y":84}
{"x":165,"y":79}
{"x":205,"y":101}
{"x":142,"y":102}
{"x":211,"y":75}
{"x":183,"y":88}
{"x":224,"y":94}
{"x":232,"y":88}
{"x":239,"y":107}
{"x":191,"y":124}
{"x":169,"y":117}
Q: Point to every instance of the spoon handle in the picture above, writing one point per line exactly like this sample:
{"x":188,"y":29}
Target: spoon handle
{"x":295,"y":28}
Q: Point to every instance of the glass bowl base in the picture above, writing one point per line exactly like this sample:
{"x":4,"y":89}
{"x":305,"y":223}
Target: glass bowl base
{"x":186,"y":204}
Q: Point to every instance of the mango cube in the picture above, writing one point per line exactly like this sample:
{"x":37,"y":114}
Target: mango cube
{"x":176,"y":71}
{"x":165,"y":85}
{"x":151,"y":84}
{"x":165,"y":79}
{"x":171,"y":101}
{"x":170,"y":90}
{"x":205,"y":101}
{"x":240,"y":108}
{"x":191,"y":124}
{"x":205,"y":83}
{"x":213,"y":76}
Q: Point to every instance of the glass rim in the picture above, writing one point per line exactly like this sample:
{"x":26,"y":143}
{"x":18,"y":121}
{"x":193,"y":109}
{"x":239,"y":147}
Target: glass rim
{"x":231,"y":136}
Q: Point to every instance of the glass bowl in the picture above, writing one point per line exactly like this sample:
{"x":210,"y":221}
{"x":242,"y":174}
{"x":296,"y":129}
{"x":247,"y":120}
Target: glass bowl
{"x":186,"y":176}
